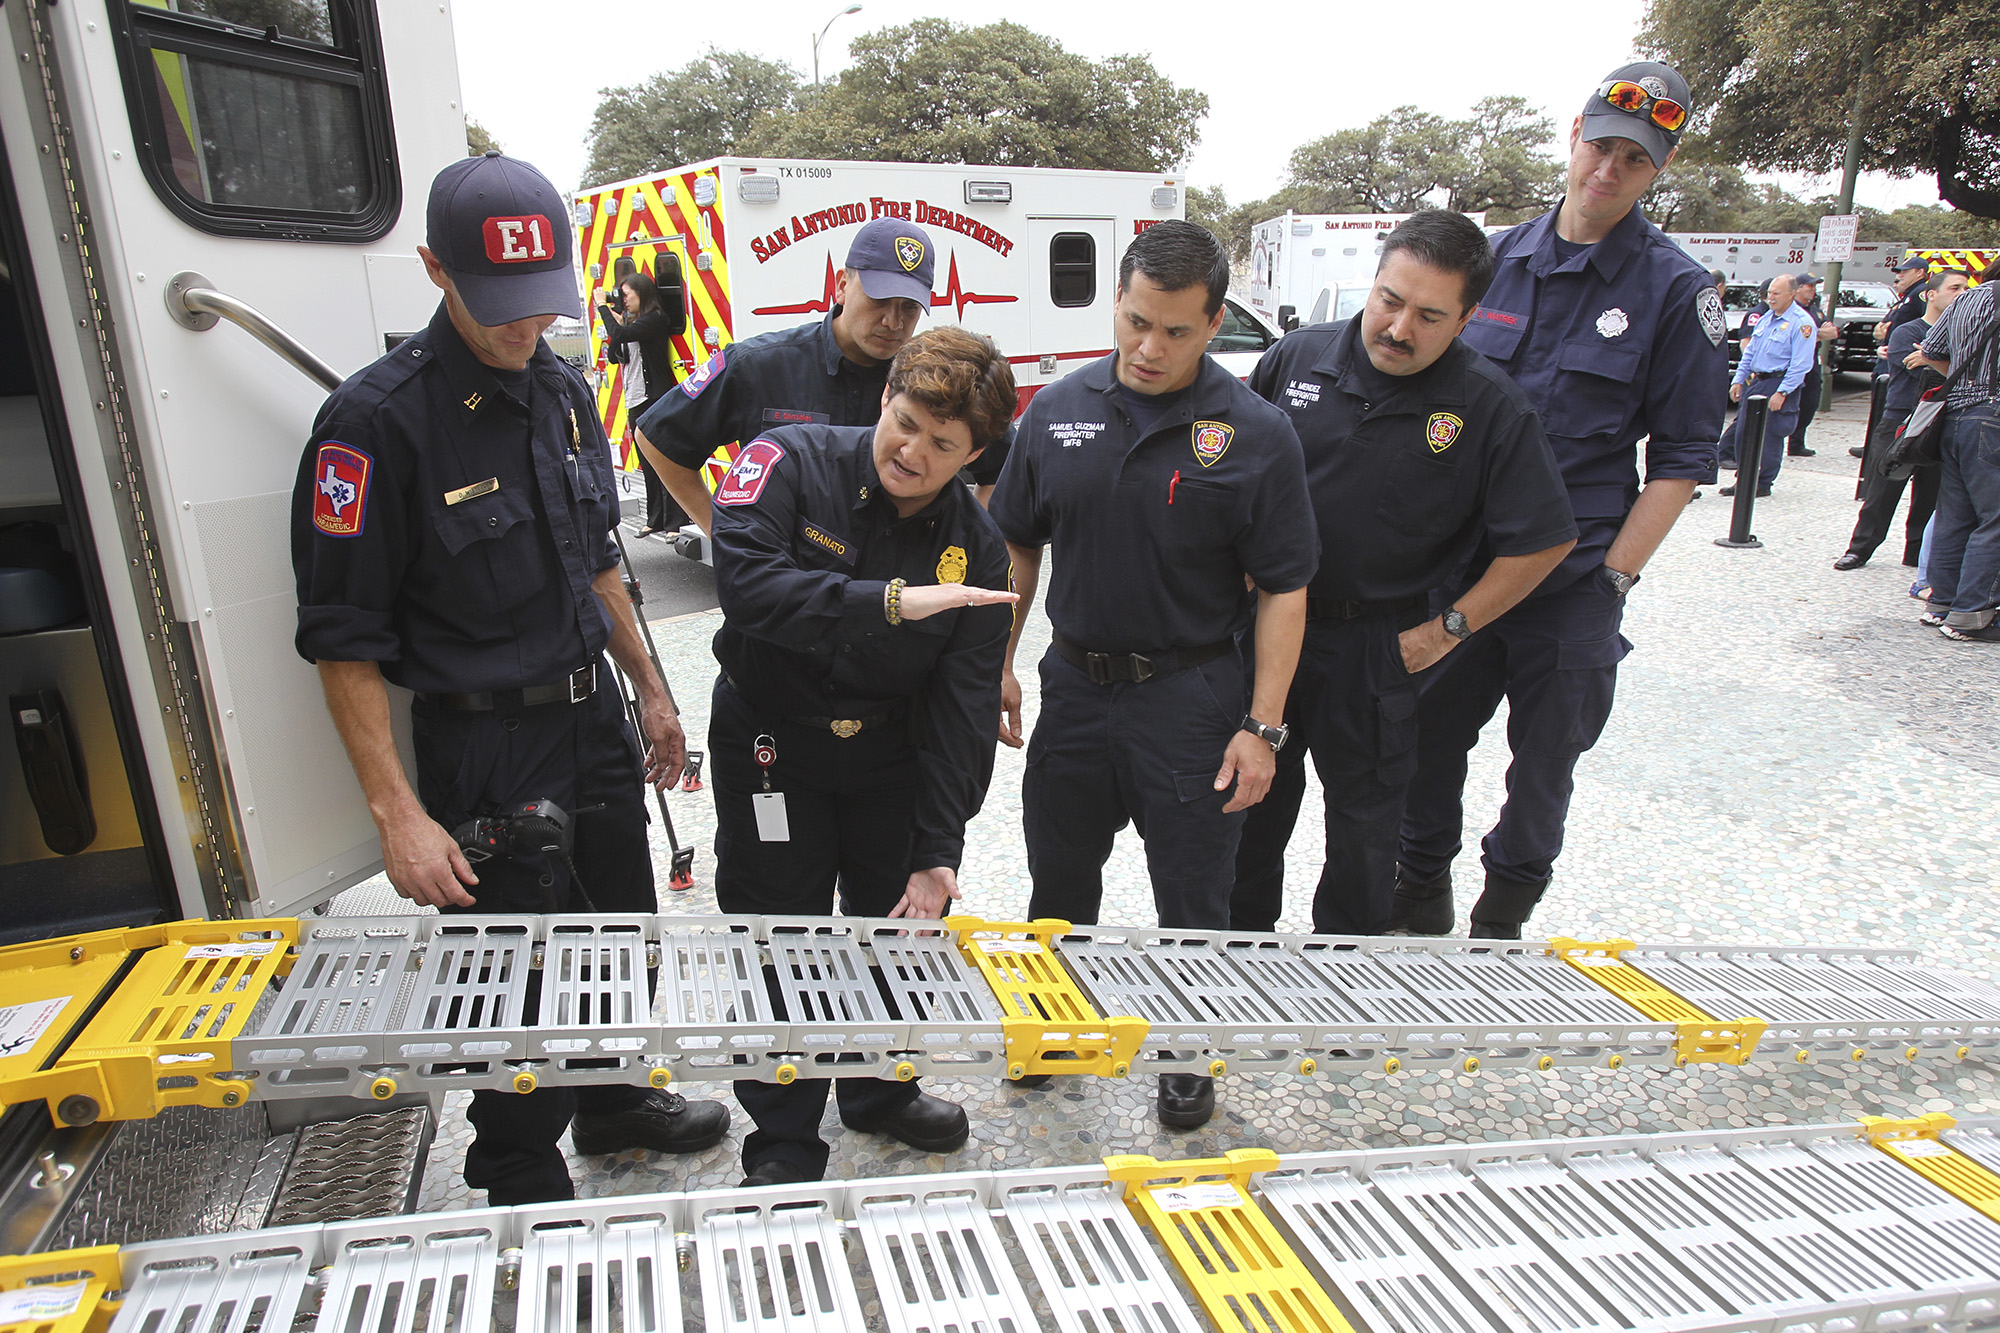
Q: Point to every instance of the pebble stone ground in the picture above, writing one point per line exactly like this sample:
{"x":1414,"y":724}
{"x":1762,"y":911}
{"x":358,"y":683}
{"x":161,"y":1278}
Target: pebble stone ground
{"x":1792,"y":759}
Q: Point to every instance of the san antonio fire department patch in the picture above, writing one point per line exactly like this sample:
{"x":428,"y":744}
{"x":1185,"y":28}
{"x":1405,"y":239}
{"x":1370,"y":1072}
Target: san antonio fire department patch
{"x":909,"y":253}
{"x":951,"y":565}
{"x":695,"y":383}
{"x":340,"y":493}
{"x":1442,"y":429}
{"x":1211,"y":441}
{"x":1708,"y":309}
{"x":747,"y":475}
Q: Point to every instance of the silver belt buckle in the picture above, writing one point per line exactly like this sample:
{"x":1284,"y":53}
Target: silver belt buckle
{"x":582,"y":683}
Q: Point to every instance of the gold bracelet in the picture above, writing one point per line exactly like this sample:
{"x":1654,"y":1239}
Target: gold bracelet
{"x":893,"y":608}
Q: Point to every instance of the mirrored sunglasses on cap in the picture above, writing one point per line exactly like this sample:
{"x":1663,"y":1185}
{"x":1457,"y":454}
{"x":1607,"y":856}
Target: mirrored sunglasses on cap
{"x":1629,"y":97}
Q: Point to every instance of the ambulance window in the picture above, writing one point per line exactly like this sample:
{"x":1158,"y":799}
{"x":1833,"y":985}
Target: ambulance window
{"x":1072,"y":268}
{"x":1318,"y":315}
{"x":263,"y":117}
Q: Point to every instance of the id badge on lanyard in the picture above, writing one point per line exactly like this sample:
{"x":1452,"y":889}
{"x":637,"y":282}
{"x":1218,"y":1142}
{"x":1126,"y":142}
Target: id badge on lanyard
{"x":769,"y":806}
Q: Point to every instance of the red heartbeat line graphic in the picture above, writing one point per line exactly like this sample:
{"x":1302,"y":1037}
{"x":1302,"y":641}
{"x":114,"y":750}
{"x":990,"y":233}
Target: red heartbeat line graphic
{"x":953,"y":295}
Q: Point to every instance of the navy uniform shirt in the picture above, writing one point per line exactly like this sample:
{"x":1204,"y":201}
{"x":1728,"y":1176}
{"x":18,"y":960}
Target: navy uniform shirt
{"x":1900,"y":399}
{"x":1153,"y":535}
{"x":1405,"y":485}
{"x":1618,"y":343}
{"x":806,"y":541}
{"x":792,"y":377}
{"x":448,"y":530}
{"x":1910,"y":305}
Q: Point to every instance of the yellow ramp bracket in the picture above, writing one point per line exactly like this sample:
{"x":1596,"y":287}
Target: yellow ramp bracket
{"x":1050,"y":1027}
{"x":1703,"y":1038}
{"x":46,"y":989}
{"x":1915,"y":1144}
{"x":163,"y":1036}
{"x":1232,"y":1257}
{"x":60,"y":1292}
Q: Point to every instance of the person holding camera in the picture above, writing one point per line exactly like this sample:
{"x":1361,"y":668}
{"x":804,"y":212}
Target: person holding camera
{"x":638,"y":332}
{"x":866,"y":604}
{"x":450,"y":534}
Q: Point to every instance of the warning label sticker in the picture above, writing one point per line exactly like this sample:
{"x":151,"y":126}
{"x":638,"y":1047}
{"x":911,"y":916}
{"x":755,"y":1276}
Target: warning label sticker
{"x":1189,"y":1198}
{"x":22,"y":1025}
{"x":239,"y":949}
{"x":38,"y":1305}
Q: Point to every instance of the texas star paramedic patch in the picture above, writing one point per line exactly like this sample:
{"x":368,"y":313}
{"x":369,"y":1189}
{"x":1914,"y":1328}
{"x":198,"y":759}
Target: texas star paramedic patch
{"x":745,"y":479}
{"x":1708,"y":308}
{"x":1211,"y":441}
{"x":340,"y":489}
{"x":1613,"y":322}
{"x":695,"y":383}
{"x":951,"y":565}
{"x":909,"y":253}
{"x":1442,"y":429}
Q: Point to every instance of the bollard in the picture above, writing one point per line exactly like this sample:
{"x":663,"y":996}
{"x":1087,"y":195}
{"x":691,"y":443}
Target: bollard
{"x":1878,"y":389}
{"x":1749,"y":462}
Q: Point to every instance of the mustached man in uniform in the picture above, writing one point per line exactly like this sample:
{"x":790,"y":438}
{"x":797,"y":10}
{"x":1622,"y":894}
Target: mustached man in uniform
{"x":1419,"y":453}
{"x":865,"y":610}
{"x":451,"y":534}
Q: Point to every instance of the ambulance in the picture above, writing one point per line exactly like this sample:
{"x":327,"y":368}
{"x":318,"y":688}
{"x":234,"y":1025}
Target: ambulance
{"x":740,"y":246}
{"x":1309,"y":268}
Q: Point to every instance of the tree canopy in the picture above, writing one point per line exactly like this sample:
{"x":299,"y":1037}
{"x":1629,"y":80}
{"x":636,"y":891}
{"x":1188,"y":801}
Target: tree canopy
{"x":701,"y":110}
{"x":1778,"y":85}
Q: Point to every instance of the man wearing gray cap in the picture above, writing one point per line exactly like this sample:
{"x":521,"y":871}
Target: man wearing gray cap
{"x":1615,"y":334}
{"x":450,"y":535}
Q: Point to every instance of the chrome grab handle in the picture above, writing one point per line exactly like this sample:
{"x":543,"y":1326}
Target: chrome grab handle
{"x":196,"y":305}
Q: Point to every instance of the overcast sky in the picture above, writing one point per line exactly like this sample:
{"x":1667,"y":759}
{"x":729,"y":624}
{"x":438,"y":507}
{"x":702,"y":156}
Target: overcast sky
{"x":1276,"y":75}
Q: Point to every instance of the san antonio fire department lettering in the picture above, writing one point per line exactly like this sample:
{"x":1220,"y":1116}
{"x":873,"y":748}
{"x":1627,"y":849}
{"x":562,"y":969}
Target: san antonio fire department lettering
{"x":854,"y":214}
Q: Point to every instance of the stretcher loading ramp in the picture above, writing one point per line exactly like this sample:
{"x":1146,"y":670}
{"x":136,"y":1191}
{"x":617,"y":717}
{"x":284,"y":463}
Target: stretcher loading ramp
{"x":1814,"y":1229}
{"x":120,"y":1024}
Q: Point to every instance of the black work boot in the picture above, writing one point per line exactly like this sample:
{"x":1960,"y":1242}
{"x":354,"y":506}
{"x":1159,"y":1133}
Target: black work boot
{"x":1185,"y":1101}
{"x":1504,"y":905}
{"x":1421,"y":906}
{"x":663,"y":1122}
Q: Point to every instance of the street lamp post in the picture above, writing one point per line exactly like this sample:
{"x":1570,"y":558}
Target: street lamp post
{"x":851,"y":9}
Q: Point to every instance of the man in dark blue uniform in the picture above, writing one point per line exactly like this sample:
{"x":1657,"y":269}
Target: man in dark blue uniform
{"x":449,"y":535}
{"x":1166,"y":488}
{"x":1417,"y":452}
{"x":865,"y":606}
{"x":1615,"y":335}
{"x":829,"y":372}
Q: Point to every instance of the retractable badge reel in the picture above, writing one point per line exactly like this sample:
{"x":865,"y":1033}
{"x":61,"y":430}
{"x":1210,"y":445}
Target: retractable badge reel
{"x":768,"y":805}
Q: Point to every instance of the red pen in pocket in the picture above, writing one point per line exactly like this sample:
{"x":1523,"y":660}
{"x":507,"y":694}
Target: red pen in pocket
{"x":1170,"y":485}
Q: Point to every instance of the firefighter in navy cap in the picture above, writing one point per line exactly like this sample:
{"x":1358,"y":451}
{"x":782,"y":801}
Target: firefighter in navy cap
{"x":865,"y":611}
{"x":1616,"y":336}
{"x":1176,"y":502}
{"x":828,"y":373}
{"x":1419,"y":455}
{"x":450,"y":534}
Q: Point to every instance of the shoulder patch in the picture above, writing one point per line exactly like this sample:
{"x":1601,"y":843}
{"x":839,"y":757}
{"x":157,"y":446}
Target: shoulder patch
{"x":709,"y":369}
{"x":1708,"y":308}
{"x":1211,"y":441}
{"x":1806,"y":329}
{"x":744,"y":481}
{"x":340,"y":489}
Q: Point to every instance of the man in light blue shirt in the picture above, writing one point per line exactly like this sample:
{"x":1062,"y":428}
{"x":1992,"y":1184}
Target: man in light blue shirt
{"x":1775,"y":362}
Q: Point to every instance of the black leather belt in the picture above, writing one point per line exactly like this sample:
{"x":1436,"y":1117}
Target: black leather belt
{"x":844,"y":727}
{"x":1113,"y":668}
{"x":580,"y":685}
{"x":1329,"y":608}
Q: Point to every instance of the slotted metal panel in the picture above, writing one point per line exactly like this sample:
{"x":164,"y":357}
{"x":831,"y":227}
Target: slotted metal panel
{"x":1295,"y":987}
{"x":417,"y":1278}
{"x":1122,"y":979}
{"x":823,"y":978}
{"x":594,"y":995}
{"x":783,"y":1269}
{"x":1965,"y":1228}
{"x":600,"y":1274}
{"x":1208,"y":977}
{"x":1371,"y":988}
{"x":709,"y":978}
{"x":1755,"y":1281}
{"x":939,"y":1267}
{"x":929,"y":979}
{"x":1577,"y":999}
{"x":474,"y":978}
{"x":1097,"y":1270}
{"x":1643,"y":1287}
{"x":1965,"y":995}
{"x":238,"y":1292}
{"x":1380,"y":1269}
{"x":346,"y":980}
{"x":1444,"y":987}
{"x":1837,"y":994}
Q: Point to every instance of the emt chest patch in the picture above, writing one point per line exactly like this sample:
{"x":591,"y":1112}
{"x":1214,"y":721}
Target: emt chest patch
{"x":746,"y":477}
{"x":340,"y":490}
{"x":1211,"y":441}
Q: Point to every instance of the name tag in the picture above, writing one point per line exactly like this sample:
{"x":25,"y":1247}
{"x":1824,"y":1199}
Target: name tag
{"x":826,"y":541}
{"x":472,"y":492}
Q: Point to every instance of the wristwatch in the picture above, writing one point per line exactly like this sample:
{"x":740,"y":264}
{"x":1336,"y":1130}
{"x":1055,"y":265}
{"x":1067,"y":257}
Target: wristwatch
{"x":1275,"y":737}
{"x":1620,"y":583}
{"x":1455,"y":625}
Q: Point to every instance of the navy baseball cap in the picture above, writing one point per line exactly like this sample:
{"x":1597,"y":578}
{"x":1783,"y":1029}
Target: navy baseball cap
{"x":1914,"y":261}
{"x":894,"y":259}
{"x":1646,"y":102}
{"x":501,"y":230}
{"x":1805,"y":279}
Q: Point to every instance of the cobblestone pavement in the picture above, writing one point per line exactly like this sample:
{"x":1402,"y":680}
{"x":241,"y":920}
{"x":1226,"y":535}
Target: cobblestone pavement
{"x":1792,"y":759}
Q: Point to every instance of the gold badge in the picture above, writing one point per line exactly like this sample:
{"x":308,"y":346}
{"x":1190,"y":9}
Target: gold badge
{"x":1211,"y":441}
{"x":1442,"y":429}
{"x":845,"y":727}
{"x":951,"y":565}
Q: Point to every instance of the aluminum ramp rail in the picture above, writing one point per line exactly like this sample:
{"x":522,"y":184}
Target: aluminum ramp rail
{"x":120,"y":1024}
{"x":1813,"y":1229}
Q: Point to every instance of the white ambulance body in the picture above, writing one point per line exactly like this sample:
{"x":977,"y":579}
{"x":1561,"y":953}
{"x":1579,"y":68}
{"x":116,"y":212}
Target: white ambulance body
{"x":1872,"y":261}
{"x":1747,"y":258}
{"x":1027,"y":256}
{"x":1298,"y":258}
